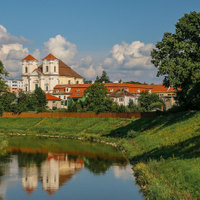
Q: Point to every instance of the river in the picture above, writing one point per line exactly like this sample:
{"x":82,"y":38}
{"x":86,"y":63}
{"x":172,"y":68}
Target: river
{"x":41,"y":168}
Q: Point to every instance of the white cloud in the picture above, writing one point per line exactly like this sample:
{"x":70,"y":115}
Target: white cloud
{"x":12,"y":51}
{"x":61,"y":48}
{"x":134,"y":55}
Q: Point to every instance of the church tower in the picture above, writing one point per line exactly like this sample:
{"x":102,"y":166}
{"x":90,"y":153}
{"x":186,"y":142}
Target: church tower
{"x":29,"y":64}
{"x":50,"y":65}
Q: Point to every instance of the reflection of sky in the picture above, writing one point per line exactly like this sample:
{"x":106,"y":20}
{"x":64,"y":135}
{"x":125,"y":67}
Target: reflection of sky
{"x":11,"y":178}
{"x":117,"y":183}
{"x":123,"y":172}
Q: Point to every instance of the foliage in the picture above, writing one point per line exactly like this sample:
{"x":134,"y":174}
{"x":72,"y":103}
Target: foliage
{"x":177,"y":58}
{"x":136,"y":82}
{"x":7,"y":101}
{"x":103,"y":79}
{"x":97,"y":99}
{"x":149,"y":101}
{"x":3,"y":73}
{"x":40,"y":98}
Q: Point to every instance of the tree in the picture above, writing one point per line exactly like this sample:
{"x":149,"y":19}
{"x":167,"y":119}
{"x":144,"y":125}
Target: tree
{"x":103,"y":79}
{"x":177,"y":58}
{"x":97,"y":99}
{"x":41,"y":99}
{"x":7,"y":101}
{"x":149,"y":101}
{"x":3,"y":73}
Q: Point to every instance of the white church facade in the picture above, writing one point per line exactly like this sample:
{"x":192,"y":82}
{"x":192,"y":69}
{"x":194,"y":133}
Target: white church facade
{"x":50,"y":73}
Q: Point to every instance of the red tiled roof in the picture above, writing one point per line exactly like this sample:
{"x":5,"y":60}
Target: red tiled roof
{"x":51,"y":97}
{"x":29,"y":57}
{"x":64,"y":70}
{"x":121,"y":93}
{"x":162,"y":88}
{"x":50,"y":57}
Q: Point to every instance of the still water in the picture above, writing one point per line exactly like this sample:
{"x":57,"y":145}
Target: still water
{"x":38,"y":168}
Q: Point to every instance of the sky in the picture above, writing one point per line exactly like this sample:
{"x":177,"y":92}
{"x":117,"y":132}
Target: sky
{"x":90,"y":35}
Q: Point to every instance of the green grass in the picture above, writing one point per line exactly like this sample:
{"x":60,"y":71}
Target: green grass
{"x":165,"y":150}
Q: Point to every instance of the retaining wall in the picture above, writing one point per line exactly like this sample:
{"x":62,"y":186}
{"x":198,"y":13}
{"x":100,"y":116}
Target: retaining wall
{"x":82,"y":115}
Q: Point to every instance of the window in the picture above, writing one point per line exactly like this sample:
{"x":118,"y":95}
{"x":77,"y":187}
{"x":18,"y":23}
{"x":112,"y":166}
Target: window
{"x":26,"y":69}
{"x":54,"y":68}
{"x":57,"y":91}
{"x":64,"y":97}
{"x":47,"y":68}
{"x":47,"y":88}
{"x":78,"y":90}
{"x":77,"y":82}
{"x":111,"y":90}
{"x":26,"y":88}
{"x":121,"y":99}
{"x":69,"y":81}
{"x":36,"y":86}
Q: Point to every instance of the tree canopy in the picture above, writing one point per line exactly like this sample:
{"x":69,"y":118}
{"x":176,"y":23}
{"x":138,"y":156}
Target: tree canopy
{"x":103,"y":79}
{"x":3,"y":73}
{"x":97,"y":99}
{"x":177,"y":58}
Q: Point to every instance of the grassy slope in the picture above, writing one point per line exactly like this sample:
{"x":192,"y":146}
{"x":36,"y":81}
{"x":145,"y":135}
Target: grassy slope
{"x":164,"y":150}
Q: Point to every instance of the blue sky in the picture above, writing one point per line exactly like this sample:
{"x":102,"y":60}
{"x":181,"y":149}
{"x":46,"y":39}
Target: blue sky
{"x":90,"y":35}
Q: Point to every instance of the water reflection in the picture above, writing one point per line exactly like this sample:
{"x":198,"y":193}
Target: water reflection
{"x":40,"y":173}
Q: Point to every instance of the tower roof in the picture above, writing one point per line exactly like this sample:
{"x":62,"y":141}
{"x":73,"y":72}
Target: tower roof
{"x":29,"y":57}
{"x":50,"y":57}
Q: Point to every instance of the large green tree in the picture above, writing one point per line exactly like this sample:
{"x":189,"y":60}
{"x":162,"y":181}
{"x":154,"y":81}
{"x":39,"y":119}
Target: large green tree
{"x":177,"y":58}
{"x":97,"y":99}
{"x":3,"y":73}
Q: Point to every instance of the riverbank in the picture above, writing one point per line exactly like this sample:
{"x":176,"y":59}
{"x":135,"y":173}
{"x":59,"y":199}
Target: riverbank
{"x":164,"y":150}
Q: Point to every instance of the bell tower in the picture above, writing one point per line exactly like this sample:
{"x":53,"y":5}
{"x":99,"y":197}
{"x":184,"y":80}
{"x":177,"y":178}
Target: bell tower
{"x":29,"y":63}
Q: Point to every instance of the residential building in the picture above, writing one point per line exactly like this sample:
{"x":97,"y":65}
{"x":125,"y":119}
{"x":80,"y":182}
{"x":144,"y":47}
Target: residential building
{"x":76,"y":91}
{"x":14,"y":85}
{"x":54,"y":102}
{"x":123,"y":97}
{"x":50,"y":73}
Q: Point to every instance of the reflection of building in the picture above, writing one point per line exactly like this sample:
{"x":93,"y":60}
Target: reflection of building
{"x":30,"y":178}
{"x":57,"y":170}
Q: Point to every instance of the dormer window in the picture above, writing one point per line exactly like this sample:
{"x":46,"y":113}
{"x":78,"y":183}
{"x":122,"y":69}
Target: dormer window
{"x":57,"y":91}
{"x":47,"y":68}
{"x":67,"y":89}
{"x":111,"y":90}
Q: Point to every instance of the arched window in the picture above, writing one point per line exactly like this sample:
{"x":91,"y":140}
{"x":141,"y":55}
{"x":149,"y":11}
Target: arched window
{"x":26,"y":69}
{"x":77,"y":82}
{"x":54,"y":68}
{"x":47,"y":88}
{"x":69,"y":82}
{"x":47,"y":68}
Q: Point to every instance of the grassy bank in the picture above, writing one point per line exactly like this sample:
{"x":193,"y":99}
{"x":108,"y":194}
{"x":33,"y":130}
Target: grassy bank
{"x":164,"y":150}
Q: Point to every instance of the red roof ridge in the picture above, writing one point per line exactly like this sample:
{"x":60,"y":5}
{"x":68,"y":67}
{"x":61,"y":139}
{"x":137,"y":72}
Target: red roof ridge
{"x":50,"y":57}
{"x":51,"y":97}
{"x":29,"y":57}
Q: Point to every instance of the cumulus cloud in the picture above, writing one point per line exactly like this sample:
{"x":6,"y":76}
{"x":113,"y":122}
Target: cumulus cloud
{"x":61,"y":48}
{"x":134,"y":55}
{"x":12,"y":51}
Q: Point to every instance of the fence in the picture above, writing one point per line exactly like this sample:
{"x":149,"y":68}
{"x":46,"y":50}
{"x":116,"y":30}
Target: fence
{"x":82,"y":115}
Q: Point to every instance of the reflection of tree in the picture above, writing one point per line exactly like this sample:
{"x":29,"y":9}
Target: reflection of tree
{"x":3,"y":160}
{"x":98,"y":165}
{"x":26,"y":159}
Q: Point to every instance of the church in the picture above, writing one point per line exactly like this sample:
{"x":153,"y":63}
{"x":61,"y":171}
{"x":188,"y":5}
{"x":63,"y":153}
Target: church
{"x":50,"y":73}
